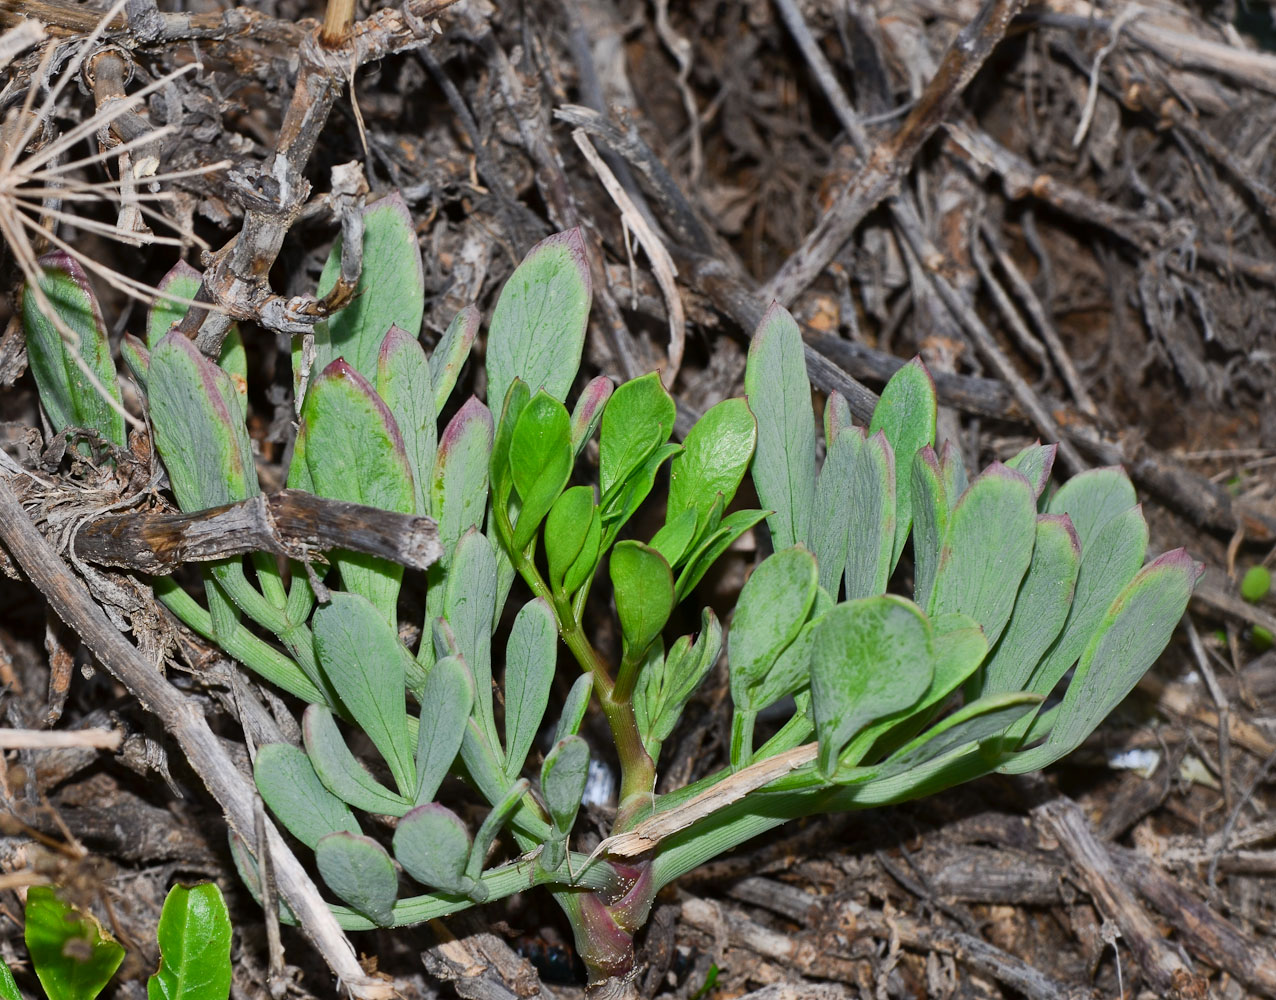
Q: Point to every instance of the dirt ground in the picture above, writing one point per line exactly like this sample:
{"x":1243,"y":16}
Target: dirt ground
{"x":1070,"y":215}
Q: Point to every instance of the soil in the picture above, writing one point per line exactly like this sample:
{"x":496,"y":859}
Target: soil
{"x":1078,"y":241}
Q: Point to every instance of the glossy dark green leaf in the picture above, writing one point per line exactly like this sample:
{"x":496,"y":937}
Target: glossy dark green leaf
{"x":366,"y":663}
{"x":637,"y":420}
{"x":665,"y":686}
{"x":291,"y":788}
{"x":566,"y":529}
{"x":340,"y":772}
{"x":537,"y":330}
{"x":194,"y":941}
{"x":674,"y":539}
{"x":871,"y":659}
{"x":771,"y":610}
{"x":449,"y":354}
{"x":1115,"y":553}
{"x":589,"y":410}
{"x":469,"y":606}
{"x":830,"y":535}
{"x":986,"y":550}
{"x":586,"y":562}
{"x":403,"y":383}
{"x":1035,"y":462}
{"x":711,"y":549}
{"x":1127,"y":641}
{"x":563,"y":777}
{"x":1041,"y":607}
{"x":433,"y":846}
{"x":68,"y":397}
{"x":906,"y":415}
{"x":541,"y":459}
{"x":355,"y":452}
{"x":715,"y":456}
{"x":390,"y":292}
{"x":869,"y":514}
{"x":531,"y":654}
{"x":199,"y":427}
{"x":931,"y":510}
{"x":779,"y":395}
{"x":72,"y":955}
{"x":8,"y":988}
{"x":360,"y":872}
{"x":644,"y":594}
{"x":446,"y":701}
{"x":617,"y":508}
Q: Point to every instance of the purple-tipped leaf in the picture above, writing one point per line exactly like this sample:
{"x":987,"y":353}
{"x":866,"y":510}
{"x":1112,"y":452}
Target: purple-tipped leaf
{"x":403,"y":383}
{"x":589,"y":410}
{"x":1035,"y":462}
{"x":182,"y":282}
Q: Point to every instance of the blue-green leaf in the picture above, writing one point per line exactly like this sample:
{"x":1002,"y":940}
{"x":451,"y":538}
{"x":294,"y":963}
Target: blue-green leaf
{"x":291,"y":788}
{"x":359,"y":870}
{"x":906,"y":415}
{"x":446,"y":701}
{"x":530,"y":658}
{"x":340,"y":772}
{"x":403,"y":383}
{"x":870,"y":517}
{"x":450,"y":353}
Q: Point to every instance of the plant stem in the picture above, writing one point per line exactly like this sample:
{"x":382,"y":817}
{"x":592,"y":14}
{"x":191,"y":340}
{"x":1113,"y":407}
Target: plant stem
{"x":338,"y":16}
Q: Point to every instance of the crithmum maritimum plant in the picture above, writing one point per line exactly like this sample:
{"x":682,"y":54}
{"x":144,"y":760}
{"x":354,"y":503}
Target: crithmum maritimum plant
{"x":1019,"y":593}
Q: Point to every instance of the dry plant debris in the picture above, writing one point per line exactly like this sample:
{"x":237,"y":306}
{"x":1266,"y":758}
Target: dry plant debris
{"x":1066,"y":207}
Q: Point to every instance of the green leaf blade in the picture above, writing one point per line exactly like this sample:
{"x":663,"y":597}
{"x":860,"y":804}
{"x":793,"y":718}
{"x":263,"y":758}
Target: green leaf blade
{"x":290,"y":787}
{"x":194,"y":940}
{"x":403,"y":383}
{"x":906,"y":414}
{"x":360,"y":872}
{"x":73,"y":957}
{"x":530,"y":656}
{"x":644,"y":594}
{"x":870,"y":517}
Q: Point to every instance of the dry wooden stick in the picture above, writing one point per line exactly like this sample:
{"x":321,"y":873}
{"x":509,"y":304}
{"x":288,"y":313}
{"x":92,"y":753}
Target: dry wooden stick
{"x":882,"y":172}
{"x":186,"y":722}
{"x":290,"y":523}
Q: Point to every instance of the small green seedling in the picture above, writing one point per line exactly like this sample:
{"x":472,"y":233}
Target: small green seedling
{"x":74,"y":957}
{"x":1020,"y":594}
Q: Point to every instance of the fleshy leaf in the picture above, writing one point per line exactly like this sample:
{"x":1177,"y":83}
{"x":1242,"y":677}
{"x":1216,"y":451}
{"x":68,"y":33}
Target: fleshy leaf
{"x":199,"y":427}
{"x":986,"y":550}
{"x":73,"y":957}
{"x":450,"y":353}
{"x":644,"y":594}
{"x":574,"y":707}
{"x":906,"y":415}
{"x":582,"y":569}
{"x":779,"y":395}
{"x":433,"y":846}
{"x":1136,"y":628}
{"x":359,"y":870}
{"x":182,"y":282}
{"x":194,"y":941}
{"x":458,"y":485}
{"x":724,"y":536}
{"x":623,"y":503}
{"x":403,"y":383}
{"x":589,"y":410}
{"x":68,"y":398}
{"x":870,"y":517}
{"x":469,"y":607}
{"x":291,"y":788}
{"x":340,"y":772}
{"x":837,"y":416}
{"x":931,"y":510}
{"x":638,"y":420}
{"x":715,"y":456}
{"x":355,"y":452}
{"x":563,"y":777}
{"x":1035,"y":462}
{"x":872,"y":658}
{"x":830,"y":536}
{"x":1092,"y":499}
{"x":566,"y":530}
{"x":665,"y":686}
{"x":537,"y":330}
{"x":390,"y":292}
{"x":541,"y":460}
{"x":531,"y":654}
{"x":773,"y":606}
{"x":446,"y":701}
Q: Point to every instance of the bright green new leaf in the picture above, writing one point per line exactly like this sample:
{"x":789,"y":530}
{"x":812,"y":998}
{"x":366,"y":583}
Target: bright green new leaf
{"x":450,"y":353}
{"x":566,"y":530}
{"x":707,"y":553}
{"x":931,"y":509}
{"x":366,"y":664}
{"x":339,"y":770}
{"x":644,"y":594}
{"x":1136,"y":628}
{"x":446,"y":701}
{"x":199,"y":427}
{"x":715,"y":456}
{"x":531,"y":654}
{"x":872,"y":658}
{"x":986,"y":550}
{"x":537,"y":330}
{"x":73,"y":957}
{"x":69,"y":398}
{"x":1041,"y":607}
{"x":870,"y":517}
{"x":516,"y":399}
{"x":433,"y":846}
{"x":637,"y":420}
{"x":8,"y":988}
{"x":355,"y":452}
{"x":589,"y":410}
{"x":390,"y":292}
{"x":360,"y":872}
{"x":540,"y":460}
{"x":772,"y":608}
{"x":194,"y":941}
{"x":673,"y":540}
{"x":779,"y":395}
{"x":582,"y":568}
{"x":403,"y":383}
{"x":830,"y":536}
{"x":469,"y":607}
{"x":665,"y":685}
{"x":620,"y":505}
{"x":906,"y":415}
{"x":289,"y":785}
